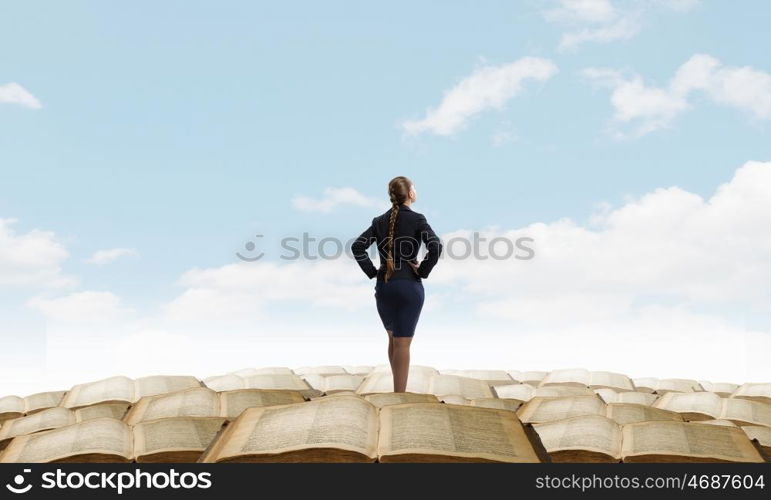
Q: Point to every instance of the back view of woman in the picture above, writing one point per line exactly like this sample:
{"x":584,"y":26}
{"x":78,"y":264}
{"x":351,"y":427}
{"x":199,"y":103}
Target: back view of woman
{"x":399,"y":293}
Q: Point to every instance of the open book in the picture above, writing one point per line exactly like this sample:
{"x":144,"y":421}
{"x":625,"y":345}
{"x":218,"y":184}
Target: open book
{"x":53,"y":418}
{"x":381,"y":399}
{"x":761,"y":434}
{"x":533,"y":377}
{"x":660,"y":386}
{"x":540,"y":409}
{"x":204,"y":402}
{"x":595,"y":438}
{"x":526,"y":392}
{"x":613,"y":396}
{"x":14,"y":406}
{"x":760,"y":392}
{"x":421,"y":381}
{"x":329,"y":383}
{"x":708,"y":405}
{"x":180,"y":439}
{"x":255,"y":379}
{"x":123,"y":389}
{"x":585,"y":378}
{"x":491,"y":377}
{"x":723,"y":389}
{"x":347,"y":428}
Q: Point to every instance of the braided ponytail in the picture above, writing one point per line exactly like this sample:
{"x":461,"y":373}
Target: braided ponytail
{"x":398,"y":192}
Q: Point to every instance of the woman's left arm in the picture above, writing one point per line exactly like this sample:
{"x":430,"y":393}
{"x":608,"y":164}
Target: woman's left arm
{"x":433,"y":247}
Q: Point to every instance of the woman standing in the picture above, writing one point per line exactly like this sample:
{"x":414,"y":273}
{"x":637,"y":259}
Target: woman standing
{"x":399,"y":291}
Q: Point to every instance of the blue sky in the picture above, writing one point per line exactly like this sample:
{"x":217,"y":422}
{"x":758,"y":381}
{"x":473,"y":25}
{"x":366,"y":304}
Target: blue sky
{"x":178,"y":130}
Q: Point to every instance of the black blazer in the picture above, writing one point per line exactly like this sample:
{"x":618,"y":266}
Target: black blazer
{"x":411,"y":229}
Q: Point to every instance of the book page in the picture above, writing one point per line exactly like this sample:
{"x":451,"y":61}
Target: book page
{"x":12,"y":404}
{"x":42,"y":400}
{"x":715,"y":421}
{"x":111,"y":410}
{"x":396,"y":398}
{"x":688,"y":440}
{"x":572,"y":376}
{"x":198,"y":402}
{"x":45,"y":419}
{"x":522,"y":392}
{"x":358,"y":369}
{"x":453,"y":431}
{"x":501,"y":404}
{"x":586,"y":432}
{"x":607,"y":395}
{"x":640,"y":398}
{"x":342,"y":422}
{"x":225,"y":383}
{"x":746,"y":410}
{"x":490,"y":376}
{"x":454,"y":399}
{"x":557,"y":390}
{"x":232,"y":403}
{"x":276,"y":381}
{"x":381,"y":381}
{"x":162,"y":384}
{"x":101,"y":435}
{"x":540,"y":409}
{"x":426,"y":371}
{"x":533,"y":377}
{"x":610,"y":379}
{"x":678,"y":385}
{"x":335,"y":382}
{"x":706,"y":403}
{"x":175,"y":434}
{"x":646,"y":384}
{"x":723,"y":389}
{"x":629,"y":413}
{"x":759,"y":432}
{"x":109,"y":389}
{"x":758,"y":391}
{"x":440,"y":385}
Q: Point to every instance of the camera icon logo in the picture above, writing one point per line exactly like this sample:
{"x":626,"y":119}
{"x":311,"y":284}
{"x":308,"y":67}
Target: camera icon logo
{"x":18,"y":483}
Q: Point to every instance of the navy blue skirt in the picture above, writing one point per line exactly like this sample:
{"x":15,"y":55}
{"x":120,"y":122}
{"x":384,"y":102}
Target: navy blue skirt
{"x":399,"y":302}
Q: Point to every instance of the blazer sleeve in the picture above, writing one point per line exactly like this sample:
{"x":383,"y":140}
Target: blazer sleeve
{"x":433,"y":247}
{"x":359,"y":249}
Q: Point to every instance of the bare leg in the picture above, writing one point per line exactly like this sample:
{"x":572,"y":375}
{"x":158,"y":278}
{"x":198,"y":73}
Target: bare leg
{"x":390,"y":348}
{"x":401,"y":363}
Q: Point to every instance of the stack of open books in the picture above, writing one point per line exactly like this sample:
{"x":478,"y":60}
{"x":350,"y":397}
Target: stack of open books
{"x":350,"y":414}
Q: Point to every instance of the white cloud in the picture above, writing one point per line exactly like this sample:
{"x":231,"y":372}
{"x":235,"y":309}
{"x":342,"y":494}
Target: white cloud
{"x":647,"y":108}
{"x":602,"y":21}
{"x":102,"y":257}
{"x":623,"y":28}
{"x":81,"y":307}
{"x":488,"y":87}
{"x":670,"y":247}
{"x":13,"y":93}
{"x":242,"y":290}
{"x":334,"y":197}
{"x":31,"y":259}
{"x":582,"y":10}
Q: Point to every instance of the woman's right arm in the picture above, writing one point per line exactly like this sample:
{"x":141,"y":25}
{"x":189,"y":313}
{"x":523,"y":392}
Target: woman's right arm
{"x":359,"y":249}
